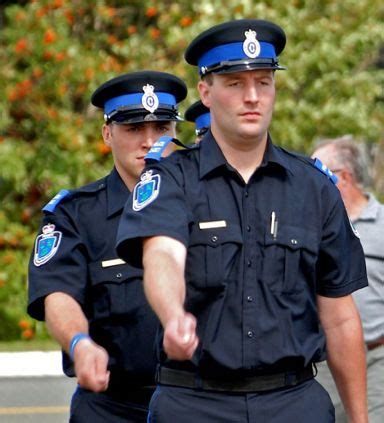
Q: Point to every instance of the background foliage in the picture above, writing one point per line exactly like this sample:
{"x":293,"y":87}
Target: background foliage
{"x":54,"y":53}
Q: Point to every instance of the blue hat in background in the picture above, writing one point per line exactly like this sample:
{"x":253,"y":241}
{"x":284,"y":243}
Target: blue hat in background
{"x":140,"y":97}
{"x":200,"y":115}
{"x":238,"y":45}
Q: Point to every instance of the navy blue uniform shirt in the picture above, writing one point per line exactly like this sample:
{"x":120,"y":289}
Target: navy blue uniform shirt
{"x":84,"y":267}
{"x":251,"y":282}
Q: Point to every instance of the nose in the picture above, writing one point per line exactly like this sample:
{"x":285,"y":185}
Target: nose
{"x":250,"y":93}
{"x":150,"y":138}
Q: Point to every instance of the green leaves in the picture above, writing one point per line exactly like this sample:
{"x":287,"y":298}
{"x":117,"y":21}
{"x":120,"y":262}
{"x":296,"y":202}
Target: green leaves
{"x":54,"y":54}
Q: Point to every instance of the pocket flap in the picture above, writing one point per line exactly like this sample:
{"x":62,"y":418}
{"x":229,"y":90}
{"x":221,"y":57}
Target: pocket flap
{"x":215,"y":236}
{"x":113,"y":274}
{"x":294,"y":238}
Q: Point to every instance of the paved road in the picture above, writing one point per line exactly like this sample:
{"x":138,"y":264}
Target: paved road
{"x":35,"y":399}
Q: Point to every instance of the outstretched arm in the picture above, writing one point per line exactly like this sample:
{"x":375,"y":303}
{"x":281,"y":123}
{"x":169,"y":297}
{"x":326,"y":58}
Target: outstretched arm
{"x":164,"y":285}
{"x":65,"y":318}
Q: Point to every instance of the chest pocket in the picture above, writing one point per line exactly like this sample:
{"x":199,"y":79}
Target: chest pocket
{"x":289,"y":260}
{"x":115,"y":290}
{"x":213,"y":255}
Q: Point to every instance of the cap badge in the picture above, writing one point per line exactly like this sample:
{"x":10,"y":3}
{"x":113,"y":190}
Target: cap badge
{"x":149,"y":100}
{"x":251,"y":46}
{"x":46,"y":244}
{"x":146,"y":191}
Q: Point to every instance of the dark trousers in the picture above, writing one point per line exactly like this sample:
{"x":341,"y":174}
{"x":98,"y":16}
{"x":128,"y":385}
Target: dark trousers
{"x":120,"y":407}
{"x":303,"y":403}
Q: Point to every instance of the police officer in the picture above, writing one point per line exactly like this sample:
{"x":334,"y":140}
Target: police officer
{"x":249,"y":258}
{"x":92,"y":301}
{"x":199,"y":114}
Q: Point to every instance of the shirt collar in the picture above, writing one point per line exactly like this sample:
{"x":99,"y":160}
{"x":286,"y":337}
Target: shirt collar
{"x":371,"y":210}
{"x":211,"y":156}
{"x":117,"y":193}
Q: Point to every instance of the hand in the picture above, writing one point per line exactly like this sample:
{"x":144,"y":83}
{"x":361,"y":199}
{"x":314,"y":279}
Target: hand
{"x":91,"y":363}
{"x":180,"y":338}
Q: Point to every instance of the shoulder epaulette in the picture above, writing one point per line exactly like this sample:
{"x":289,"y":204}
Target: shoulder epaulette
{"x":316,"y":163}
{"x":50,"y":207}
{"x":154,"y":154}
{"x":67,"y":194}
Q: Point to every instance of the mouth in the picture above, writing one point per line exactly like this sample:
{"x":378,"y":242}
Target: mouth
{"x":250,"y":115}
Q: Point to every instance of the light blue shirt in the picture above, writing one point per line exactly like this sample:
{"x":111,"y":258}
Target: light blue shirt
{"x":370,"y":300}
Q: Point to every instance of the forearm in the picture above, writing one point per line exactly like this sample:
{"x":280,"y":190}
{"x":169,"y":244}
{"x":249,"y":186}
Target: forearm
{"x":164,"y":283}
{"x":64,"y":318}
{"x":346,"y":354}
{"x":346,"y":359}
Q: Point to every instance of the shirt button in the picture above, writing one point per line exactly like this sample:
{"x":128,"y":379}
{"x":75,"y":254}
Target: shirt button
{"x":214,"y":238}
{"x":250,"y":334}
{"x":294,"y":241}
{"x":248,"y":228}
{"x":249,"y":263}
{"x":119,"y":275}
{"x":246,"y":193}
{"x":249,"y":298}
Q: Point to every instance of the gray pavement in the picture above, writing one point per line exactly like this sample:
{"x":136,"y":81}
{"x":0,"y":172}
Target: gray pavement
{"x":33,"y":388}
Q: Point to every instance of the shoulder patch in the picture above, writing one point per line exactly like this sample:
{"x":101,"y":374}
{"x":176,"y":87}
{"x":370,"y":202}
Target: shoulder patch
{"x":46,"y":244}
{"x":146,"y":191}
{"x":319,"y":165}
{"x":56,"y":200}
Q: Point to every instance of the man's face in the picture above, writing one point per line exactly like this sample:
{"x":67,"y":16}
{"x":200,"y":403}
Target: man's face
{"x":241,"y":104}
{"x":131,"y":142}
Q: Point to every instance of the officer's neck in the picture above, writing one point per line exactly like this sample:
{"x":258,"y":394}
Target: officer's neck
{"x":243,"y":154}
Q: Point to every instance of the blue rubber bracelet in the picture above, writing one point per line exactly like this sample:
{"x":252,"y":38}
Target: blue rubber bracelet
{"x":74,"y":341}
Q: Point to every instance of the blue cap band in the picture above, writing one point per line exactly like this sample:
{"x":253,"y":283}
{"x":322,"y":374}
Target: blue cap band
{"x":203,"y":121}
{"x":133,"y":99}
{"x":234,"y":51}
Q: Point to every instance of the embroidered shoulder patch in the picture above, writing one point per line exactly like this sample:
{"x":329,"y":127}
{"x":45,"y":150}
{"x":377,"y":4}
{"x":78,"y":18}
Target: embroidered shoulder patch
{"x":46,"y":244}
{"x":146,"y":191}
{"x":319,"y":165}
{"x":56,"y":200}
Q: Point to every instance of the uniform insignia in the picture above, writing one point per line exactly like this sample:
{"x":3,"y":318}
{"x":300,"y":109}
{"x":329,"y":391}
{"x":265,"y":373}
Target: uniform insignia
{"x":46,"y":244}
{"x":319,"y":165}
{"x":149,"y":100}
{"x":251,"y":46}
{"x":146,"y":191}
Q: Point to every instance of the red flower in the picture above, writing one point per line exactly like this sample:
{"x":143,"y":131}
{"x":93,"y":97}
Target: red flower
{"x":21,"y":45}
{"x":186,"y":21}
{"x":151,"y":12}
{"x":50,"y":36}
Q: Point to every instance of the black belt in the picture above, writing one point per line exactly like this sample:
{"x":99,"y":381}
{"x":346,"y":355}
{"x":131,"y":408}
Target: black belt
{"x":256,"y":383}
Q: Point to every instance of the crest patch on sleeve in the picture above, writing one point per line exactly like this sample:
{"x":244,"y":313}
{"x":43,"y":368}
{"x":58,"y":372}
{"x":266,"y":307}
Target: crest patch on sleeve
{"x":46,"y":244}
{"x":146,"y":191}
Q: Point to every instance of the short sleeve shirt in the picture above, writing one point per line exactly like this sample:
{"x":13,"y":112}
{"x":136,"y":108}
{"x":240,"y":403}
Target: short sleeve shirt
{"x":258,"y":253}
{"x":86,"y":267}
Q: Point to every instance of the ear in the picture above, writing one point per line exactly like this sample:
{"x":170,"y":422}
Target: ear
{"x":107,"y":134}
{"x":204,"y":91}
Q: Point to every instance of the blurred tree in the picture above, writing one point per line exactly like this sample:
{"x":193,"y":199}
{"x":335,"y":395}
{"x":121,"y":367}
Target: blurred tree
{"x":54,"y":53}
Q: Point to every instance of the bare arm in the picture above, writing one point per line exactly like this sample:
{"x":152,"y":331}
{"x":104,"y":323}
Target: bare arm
{"x":65,"y":318}
{"x":346,"y":353}
{"x":164,"y":286}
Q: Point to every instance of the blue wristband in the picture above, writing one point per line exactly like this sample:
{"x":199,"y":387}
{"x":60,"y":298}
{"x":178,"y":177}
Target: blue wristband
{"x":74,"y":341}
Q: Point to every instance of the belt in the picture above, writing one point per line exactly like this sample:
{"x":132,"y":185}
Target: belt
{"x":374,"y":344}
{"x":256,"y":383}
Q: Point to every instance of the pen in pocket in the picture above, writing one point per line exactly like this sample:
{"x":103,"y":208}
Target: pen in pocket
{"x":274,"y":224}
